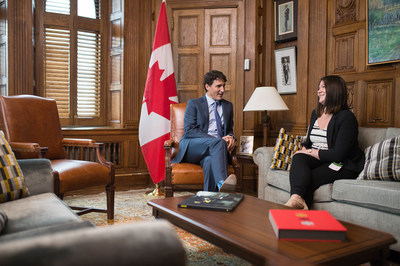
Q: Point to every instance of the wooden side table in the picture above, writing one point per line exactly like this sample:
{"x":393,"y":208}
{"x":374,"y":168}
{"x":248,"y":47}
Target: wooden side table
{"x":245,"y":159}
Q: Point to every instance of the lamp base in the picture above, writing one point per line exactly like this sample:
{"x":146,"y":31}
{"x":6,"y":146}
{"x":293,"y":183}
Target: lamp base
{"x":266,"y":121}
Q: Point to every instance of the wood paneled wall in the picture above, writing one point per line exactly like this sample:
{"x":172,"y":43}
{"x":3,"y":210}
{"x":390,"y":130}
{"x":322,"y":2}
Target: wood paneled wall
{"x":20,"y":47}
{"x":331,"y":40}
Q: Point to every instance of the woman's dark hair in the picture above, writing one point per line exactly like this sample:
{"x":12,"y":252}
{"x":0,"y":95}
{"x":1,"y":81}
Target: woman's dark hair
{"x":336,"y":95}
{"x":212,"y":75}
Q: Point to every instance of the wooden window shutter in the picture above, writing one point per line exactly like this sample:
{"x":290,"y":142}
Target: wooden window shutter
{"x":57,"y":68}
{"x":88,"y":75}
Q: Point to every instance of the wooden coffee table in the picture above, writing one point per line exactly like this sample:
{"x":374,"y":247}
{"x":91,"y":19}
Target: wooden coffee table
{"x":247,"y":233}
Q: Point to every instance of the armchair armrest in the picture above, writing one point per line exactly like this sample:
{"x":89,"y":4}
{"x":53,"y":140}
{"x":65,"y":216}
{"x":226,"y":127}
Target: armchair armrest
{"x":38,"y":175}
{"x":263,"y":159}
{"x":85,"y":149}
{"x":28,"y":147}
{"x":80,"y":142}
{"x":145,"y":243}
{"x":168,"y":147}
{"x":168,"y":144}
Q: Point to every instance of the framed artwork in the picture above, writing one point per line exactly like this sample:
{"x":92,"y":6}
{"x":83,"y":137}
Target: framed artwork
{"x":383,"y":27}
{"x":285,"y":20}
{"x":246,"y":145}
{"x":285,"y":68}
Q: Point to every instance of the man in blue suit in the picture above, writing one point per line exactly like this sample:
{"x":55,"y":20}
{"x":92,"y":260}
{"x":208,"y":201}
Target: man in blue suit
{"x":208,"y":138}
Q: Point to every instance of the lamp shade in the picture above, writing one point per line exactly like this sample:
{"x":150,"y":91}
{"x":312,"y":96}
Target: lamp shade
{"x":265,"y":99}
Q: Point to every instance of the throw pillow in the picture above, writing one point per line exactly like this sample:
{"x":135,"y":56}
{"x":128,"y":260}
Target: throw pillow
{"x":12,"y":182}
{"x":3,"y":219}
{"x":286,"y":145}
{"x":382,"y":161}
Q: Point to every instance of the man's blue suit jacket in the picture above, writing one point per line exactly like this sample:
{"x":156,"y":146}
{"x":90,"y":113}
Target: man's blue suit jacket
{"x":197,"y":120}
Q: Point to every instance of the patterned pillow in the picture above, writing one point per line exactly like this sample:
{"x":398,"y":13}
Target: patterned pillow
{"x":286,"y":145}
{"x":12,"y":182}
{"x":382,"y":161}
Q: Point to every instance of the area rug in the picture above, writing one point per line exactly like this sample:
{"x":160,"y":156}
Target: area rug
{"x":131,"y":206}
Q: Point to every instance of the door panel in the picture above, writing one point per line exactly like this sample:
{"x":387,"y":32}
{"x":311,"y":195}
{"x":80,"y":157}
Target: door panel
{"x":204,"y":39}
{"x":187,"y":45}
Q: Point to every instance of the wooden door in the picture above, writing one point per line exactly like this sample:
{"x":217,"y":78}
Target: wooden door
{"x":204,"y":39}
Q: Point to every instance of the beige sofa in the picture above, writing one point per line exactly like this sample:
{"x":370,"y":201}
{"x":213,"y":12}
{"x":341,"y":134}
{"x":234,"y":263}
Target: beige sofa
{"x":374,"y":204}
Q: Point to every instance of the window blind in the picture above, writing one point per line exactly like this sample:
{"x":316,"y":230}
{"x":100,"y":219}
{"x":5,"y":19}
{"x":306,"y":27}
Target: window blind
{"x":89,"y":64}
{"x":58,"y":6}
{"x":57,"y":68}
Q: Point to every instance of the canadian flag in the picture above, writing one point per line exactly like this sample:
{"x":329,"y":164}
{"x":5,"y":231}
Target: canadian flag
{"x":159,"y":93}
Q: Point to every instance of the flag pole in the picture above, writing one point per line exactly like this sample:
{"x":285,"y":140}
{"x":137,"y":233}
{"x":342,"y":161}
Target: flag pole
{"x":158,"y":191}
{"x":160,"y":92}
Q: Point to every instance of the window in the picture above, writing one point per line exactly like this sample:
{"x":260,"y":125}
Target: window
{"x":71,"y":47}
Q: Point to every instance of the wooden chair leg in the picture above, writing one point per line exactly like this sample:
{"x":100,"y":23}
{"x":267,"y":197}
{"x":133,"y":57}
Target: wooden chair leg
{"x":110,"y":203}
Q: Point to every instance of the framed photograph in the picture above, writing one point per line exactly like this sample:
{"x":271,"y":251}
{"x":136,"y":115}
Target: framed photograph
{"x":383,"y":27}
{"x":285,"y":12}
{"x":246,"y":145}
{"x":285,"y":68}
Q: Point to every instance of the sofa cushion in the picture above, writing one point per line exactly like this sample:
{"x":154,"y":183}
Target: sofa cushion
{"x":373,"y":194}
{"x":279,"y":179}
{"x":3,"y":219}
{"x":369,"y":136}
{"x":382,"y":161}
{"x":286,"y":145}
{"x":323,"y":193}
{"x":51,"y":229}
{"x":36,"y":211}
{"x":12,"y":183}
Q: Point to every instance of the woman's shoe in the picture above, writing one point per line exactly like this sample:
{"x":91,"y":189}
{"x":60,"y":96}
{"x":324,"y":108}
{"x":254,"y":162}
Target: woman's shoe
{"x":297,"y":202}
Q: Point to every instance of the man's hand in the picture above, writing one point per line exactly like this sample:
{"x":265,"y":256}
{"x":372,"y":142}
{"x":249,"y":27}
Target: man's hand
{"x":230,"y":141}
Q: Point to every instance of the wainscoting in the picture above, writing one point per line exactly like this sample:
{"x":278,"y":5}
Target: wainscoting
{"x":121,"y":147}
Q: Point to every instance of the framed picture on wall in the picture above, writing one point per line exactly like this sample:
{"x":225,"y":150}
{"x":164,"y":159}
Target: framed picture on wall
{"x":383,"y":27}
{"x":285,"y":12}
{"x":285,"y":68}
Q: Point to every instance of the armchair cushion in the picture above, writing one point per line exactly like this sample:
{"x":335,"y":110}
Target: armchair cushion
{"x":78,"y":174}
{"x":187,"y":173}
{"x":12,"y":183}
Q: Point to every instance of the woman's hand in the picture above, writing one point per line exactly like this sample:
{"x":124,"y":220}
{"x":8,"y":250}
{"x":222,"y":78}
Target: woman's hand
{"x":310,"y":152}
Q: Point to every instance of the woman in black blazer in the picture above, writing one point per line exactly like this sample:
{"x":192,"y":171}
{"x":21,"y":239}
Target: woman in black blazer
{"x":331,"y":150}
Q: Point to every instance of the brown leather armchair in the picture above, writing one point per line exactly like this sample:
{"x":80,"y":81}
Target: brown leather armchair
{"x":186,"y":176}
{"x":32,"y":126}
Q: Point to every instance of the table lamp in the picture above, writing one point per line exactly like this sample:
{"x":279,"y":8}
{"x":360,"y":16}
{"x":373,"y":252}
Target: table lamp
{"x":265,"y":99}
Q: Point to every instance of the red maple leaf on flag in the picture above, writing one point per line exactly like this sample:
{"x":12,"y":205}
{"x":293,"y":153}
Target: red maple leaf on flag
{"x":158,"y":100}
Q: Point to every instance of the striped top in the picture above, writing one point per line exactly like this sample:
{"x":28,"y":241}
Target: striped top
{"x":318,"y":137}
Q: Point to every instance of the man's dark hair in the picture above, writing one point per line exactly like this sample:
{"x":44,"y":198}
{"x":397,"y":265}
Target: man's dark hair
{"x":336,"y":95}
{"x":212,"y":75}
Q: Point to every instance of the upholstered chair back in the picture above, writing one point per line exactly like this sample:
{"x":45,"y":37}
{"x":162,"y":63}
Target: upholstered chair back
{"x":33,"y":119}
{"x":177,"y":125}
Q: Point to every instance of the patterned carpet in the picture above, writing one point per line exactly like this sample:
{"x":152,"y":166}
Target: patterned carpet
{"x":131,"y":206}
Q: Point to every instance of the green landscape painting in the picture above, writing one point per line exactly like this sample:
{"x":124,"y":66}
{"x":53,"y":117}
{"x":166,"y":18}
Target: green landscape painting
{"x":383,"y":31}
